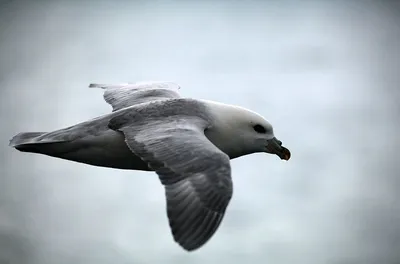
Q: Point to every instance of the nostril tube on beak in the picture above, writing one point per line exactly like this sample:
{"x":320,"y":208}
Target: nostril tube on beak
{"x":277,"y":141}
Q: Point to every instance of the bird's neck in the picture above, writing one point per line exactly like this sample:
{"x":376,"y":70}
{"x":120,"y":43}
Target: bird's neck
{"x":223,"y":132}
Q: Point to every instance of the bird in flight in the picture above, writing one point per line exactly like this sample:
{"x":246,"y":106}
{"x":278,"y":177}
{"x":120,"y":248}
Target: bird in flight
{"x":188,"y":142}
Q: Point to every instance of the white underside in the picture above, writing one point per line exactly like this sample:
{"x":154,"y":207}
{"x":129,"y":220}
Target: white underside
{"x":107,"y":150}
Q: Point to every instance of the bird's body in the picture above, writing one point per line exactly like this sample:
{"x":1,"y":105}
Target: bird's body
{"x":91,"y":142}
{"x":187,"y":142}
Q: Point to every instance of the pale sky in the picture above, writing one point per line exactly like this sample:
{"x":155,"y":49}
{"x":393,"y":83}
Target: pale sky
{"x":324,"y":73}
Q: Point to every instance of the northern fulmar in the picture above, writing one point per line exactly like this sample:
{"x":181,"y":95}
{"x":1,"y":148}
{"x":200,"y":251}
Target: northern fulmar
{"x":187,"y":142}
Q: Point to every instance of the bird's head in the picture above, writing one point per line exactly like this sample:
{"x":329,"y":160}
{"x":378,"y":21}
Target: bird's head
{"x":239,"y":131}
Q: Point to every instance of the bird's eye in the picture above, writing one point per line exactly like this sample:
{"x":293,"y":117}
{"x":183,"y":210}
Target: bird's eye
{"x":259,"y":129}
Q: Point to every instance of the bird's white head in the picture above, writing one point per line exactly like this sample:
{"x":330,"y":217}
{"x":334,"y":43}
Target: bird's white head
{"x":238,"y":131}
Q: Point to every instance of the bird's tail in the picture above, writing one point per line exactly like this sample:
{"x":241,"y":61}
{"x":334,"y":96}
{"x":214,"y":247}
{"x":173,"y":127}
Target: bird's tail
{"x":26,"y":141}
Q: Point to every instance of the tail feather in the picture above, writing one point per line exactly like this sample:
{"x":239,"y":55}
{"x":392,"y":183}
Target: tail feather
{"x":31,"y":142}
{"x":25,"y":138}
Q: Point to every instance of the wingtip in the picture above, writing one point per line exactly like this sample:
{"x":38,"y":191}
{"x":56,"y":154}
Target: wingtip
{"x":161,"y":84}
{"x":107,"y":86}
{"x":95,"y":85}
{"x":189,"y":249}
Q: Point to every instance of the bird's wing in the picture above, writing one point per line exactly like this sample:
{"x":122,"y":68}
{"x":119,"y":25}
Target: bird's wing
{"x":195,"y":173}
{"x":120,"y":96}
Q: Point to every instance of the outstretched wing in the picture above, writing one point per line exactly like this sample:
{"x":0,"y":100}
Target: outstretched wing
{"x":195,"y":173}
{"x":120,"y":96}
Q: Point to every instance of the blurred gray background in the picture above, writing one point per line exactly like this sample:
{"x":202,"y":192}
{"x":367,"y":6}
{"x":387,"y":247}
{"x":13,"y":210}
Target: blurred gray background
{"x":325,"y":73}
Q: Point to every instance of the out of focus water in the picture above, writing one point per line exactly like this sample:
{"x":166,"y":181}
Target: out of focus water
{"x":325,"y":74}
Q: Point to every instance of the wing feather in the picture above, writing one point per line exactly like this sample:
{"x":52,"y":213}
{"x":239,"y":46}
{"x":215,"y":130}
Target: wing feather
{"x":120,"y":96}
{"x":195,"y":173}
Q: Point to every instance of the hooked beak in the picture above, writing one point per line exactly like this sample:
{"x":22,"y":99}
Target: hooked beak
{"x":275,"y":147}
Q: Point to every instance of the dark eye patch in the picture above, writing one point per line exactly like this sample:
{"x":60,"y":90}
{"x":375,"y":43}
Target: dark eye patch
{"x":259,"y":129}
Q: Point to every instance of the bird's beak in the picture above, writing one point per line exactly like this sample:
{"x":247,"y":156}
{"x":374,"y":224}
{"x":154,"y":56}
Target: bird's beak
{"x":275,"y":147}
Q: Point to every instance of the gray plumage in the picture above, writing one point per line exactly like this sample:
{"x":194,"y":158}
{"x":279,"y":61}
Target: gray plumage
{"x":125,"y":95}
{"x":187,"y":142}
